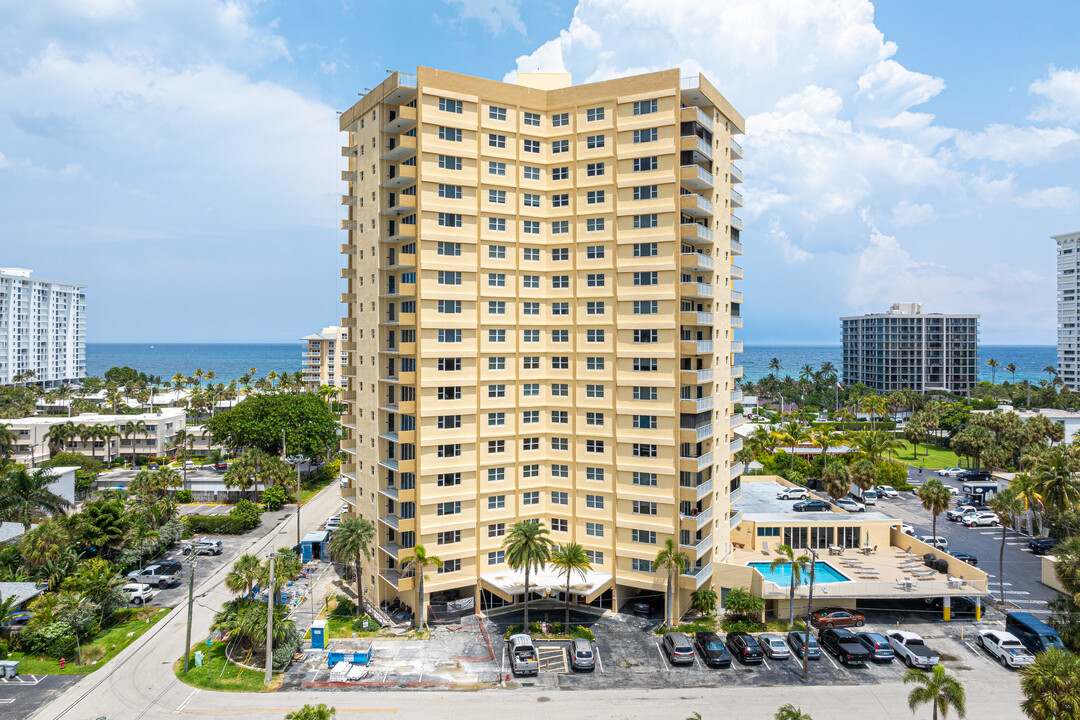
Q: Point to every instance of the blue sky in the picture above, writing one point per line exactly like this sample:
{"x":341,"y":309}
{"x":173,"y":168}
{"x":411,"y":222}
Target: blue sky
{"x":181,"y":157}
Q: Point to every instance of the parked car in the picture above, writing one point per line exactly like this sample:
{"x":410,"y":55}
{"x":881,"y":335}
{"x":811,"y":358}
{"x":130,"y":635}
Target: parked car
{"x":938,"y":542}
{"x":878,"y":645}
{"x":221,"y":466}
{"x":952,"y":490}
{"x":523,"y":657}
{"x":811,"y":506}
{"x":950,"y":472}
{"x":152,"y":466}
{"x":745,"y":648}
{"x":887,"y":491}
{"x":961,"y":555}
{"x":958,"y":606}
{"x":837,"y":617}
{"x":137,"y":593}
{"x":844,"y":645}
{"x":712,"y":649}
{"x":1006,"y":647}
{"x":907,"y":529}
{"x":850,"y":505}
{"x":793,"y":493}
{"x":158,"y":575}
{"x":582,"y":656}
{"x":642,"y":608}
{"x":773,"y":646}
{"x":1042,"y":546}
{"x":678,"y":649}
{"x":17,"y":619}
{"x":189,"y":464}
{"x":797,"y":641}
{"x":959,"y":511}
{"x":1036,"y":635}
{"x":205,"y":546}
{"x":910,"y":648}
{"x":981,"y":519}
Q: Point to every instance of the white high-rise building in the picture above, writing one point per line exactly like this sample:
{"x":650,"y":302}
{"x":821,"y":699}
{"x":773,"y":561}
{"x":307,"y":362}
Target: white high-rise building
{"x":42,"y":329}
{"x":1068,"y":285}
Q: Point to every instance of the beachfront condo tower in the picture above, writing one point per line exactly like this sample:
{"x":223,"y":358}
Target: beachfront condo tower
{"x":1068,"y":286}
{"x":541,"y":309}
{"x":42,"y":330}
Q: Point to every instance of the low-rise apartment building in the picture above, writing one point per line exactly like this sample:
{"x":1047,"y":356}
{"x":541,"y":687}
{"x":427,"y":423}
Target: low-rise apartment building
{"x":144,"y":434}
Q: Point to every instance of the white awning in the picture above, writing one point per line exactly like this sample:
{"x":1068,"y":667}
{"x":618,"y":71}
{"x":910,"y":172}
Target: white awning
{"x":507,"y":583}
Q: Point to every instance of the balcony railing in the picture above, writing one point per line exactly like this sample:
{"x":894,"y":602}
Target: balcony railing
{"x":696,"y":177}
{"x":700,"y":404}
{"x":696,"y":289}
{"x":702,"y":574}
{"x":736,"y":222}
{"x":736,"y":247}
{"x":736,"y":198}
{"x":736,"y":174}
{"x":702,"y":545}
{"x":702,"y":518}
{"x":701,"y":489}
{"x":703,"y":461}
{"x":736,"y":396}
{"x":736,"y":149}
{"x":703,"y":433}
{"x":699,"y":146}
{"x":736,"y":420}
{"x":697,"y":260}
{"x":737,"y":469}
{"x":696,"y":231}
{"x":736,"y":296}
{"x":736,"y":445}
{"x":736,"y":272}
{"x":696,"y":205}
{"x":736,"y":518}
{"x":736,"y":371}
{"x":736,"y":346}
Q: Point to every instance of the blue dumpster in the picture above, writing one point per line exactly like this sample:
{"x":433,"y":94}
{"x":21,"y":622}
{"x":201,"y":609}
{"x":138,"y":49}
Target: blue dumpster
{"x":318,"y":635}
{"x":313,"y":546}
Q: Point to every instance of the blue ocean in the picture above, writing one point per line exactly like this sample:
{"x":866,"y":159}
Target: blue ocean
{"x":230,"y":361}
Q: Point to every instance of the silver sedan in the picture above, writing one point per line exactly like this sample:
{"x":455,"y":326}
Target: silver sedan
{"x":774,"y":646}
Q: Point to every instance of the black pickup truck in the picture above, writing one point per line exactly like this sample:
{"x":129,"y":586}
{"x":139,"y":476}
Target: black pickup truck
{"x":844,"y":645}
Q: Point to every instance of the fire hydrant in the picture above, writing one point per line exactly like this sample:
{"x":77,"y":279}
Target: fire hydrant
{"x":62,"y":661}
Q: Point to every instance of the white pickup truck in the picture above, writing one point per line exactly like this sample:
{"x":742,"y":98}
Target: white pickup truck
{"x":910,"y":648}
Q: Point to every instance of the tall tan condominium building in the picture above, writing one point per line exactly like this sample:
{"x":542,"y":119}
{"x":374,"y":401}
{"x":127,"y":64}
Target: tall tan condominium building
{"x":1068,"y":289}
{"x":324,"y":357}
{"x":540,"y":315}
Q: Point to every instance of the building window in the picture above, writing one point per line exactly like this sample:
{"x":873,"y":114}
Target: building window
{"x":594,"y":391}
{"x":530,"y":336}
{"x":594,"y":446}
{"x":593,"y":142}
{"x":646,"y":336}
{"x":449,"y":566}
{"x":561,"y":389}
{"x":531,"y":119}
{"x":497,"y":113}
{"x":496,"y":307}
{"x":447,"y":105}
{"x":449,"y":450}
{"x":532,"y":497}
{"x":531,"y":227}
{"x":594,"y":169}
{"x":531,"y":173}
{"x":530,"y":389}
{"x":595,"y":474}
{"x":449,"y":277}
{"x":497,"y":168}
{"x":449,"y":364}
{"x":530,"y":200}
{"x":560,"y":362}
{"x":560,"y":497}
{"x":645,"y":164}
{"x":530,"y":417}
{"x":646,"y":278}
{"x":496,"y":446}
{"x":594,"y":197}
{"x":643,"y":507}
{"x":449,"y":220}
{"x":645,"y":135}
{"x":594,"y":224}
{"x":528,"y":444}
{"x":449,"y":162}
{"x":646,"y":307}
{"x":644,"y":107}
{"x":532,"y":146}
{"x":595,"y":557}
{"x":644,"y":393}
{"x":560,"y":146}
{"x":450,"y":191}
{"x":643,"y":450}
{"x":594,"y":114}
{"x":560,"y":471}
{"x":448,"y":508}
{"x":497,"y":196}
{"x":558,"y":336}
{"x":560,"y":417}
{"x":496,"y":418}
{"x":449,"y":335}
{"x":496,"y":474}
{"x":530,"y":362}
{"x":644,"y":479}
{"x":451,"y":134}
{"x":594,"y":529}
{"x":560,"y":282}
{"x":496,"y":391}
{"x":594,"y":280}
{"x":496,"y":557}
{"x":496,"y":335}
{"x":560,"y":308}
{"x":448,"y":248}
{"x":530,"y":308}
{"x":640,"y":565}
{"x":594,"y":307}
{"x":560,"y":227}
{"x":496,"y":141}
{"x":448,"y":422}
{"x":448,"y":537}
{"x":496,"y":280}
{"x":560,"y":444}
{"x":496,"y":363}
{"x":450,"y":307}
{"x":560,"y":254}
{"x":449,"y":392}
{"x":497,"y":225}
{"x":559,"y":525}
{"x":560,"y":200}
{"x":560,"y":120}
{"x":594,"y":336}
{"x":594,"y":252}
{"x":594,"y":363}
{"x":645,"y":249}
{"x":649,"y":220}
{"x":594,"y":419}
{"x":560,"y":173}
{"x":646,"y":192}
{"x":643,"y":536}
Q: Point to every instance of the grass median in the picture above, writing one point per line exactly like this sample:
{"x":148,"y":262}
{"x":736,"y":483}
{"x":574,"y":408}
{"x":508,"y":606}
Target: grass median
{"x":220,"y":674}
{"x":930,"y":457}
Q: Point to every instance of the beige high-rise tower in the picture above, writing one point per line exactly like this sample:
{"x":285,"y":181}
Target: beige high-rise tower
{"x":541,"y":316}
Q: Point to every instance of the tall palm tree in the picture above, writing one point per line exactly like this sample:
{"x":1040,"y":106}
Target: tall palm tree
{"x":59,"y":436}
{"x":935,"y":497}
{"x":1008,"y":505}
{"x":8,"y":440}
{"x":1011,"y":368}
{"x":790,"y":712}
{"x":24,"y":494}
{"x":352,"y":543}
{"x":528,"y":548}
{"x":1056,"y":479}
{"x":798,"y":565}
{"x":1067,"y":569}
{"x":1050,"y":371}
{"x":775,"y":365}
{"x":993,"y":365}
{"x":244,"y":574}
{"x":794,"y":434}
{"x":937,"y":688}
{"x":417,"y":563}
{"x":825,"y":439}
{"x":570,"y":559}
{"x":1049,"y":686}
{"x":1027,"y":489}
{"x":836,"y":480}
{"x":828,"y":371}
{"x":674,"y":562}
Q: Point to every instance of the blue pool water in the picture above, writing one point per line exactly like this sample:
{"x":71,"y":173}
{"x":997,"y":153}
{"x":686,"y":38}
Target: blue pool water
{"x":823,"y":573}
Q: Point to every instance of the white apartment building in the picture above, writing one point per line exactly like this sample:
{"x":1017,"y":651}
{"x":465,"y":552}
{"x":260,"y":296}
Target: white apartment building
{"x":145,"y":434}
{"x":42,"y":329}
{"x":1068,"y":284}
{"x":324,"y":358}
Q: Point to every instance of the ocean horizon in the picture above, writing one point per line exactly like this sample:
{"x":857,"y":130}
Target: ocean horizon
{"x":229,"y":361}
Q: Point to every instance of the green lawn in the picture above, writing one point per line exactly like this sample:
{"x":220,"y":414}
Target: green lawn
{"x":937,"y":459}
{"x":310,"y":491}
{"x":219,"y":674}
{"x":102,"y":648}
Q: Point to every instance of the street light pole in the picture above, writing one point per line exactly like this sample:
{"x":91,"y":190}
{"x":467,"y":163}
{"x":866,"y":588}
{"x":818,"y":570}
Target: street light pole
{"x":190,"y":601}
{"x":809,"y":609}
{"x":270,"y":599}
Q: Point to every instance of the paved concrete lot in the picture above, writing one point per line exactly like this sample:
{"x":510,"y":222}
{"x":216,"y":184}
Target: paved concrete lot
{"x":21,"y":696}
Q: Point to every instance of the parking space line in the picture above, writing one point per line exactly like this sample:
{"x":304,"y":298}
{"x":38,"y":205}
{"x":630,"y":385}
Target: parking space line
{"x":663,"y":660}
{"x":763,"y":660}
{"x":596,"y":649}
{"x":823,"y":654}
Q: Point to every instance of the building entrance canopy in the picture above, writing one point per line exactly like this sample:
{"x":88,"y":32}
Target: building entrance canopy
{"x":508,"y":583}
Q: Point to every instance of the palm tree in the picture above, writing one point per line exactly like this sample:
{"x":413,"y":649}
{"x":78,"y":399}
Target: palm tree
{"x":993,"y":365}
{"x":935,"y":498}
{"x":704,"y":600}
{"x":1067,"y":569}
{"x":131,"y":429}
{"x":416,"y":563}
{"x":1050,"y":371}
{"x":59,"y":436}
{"x":790,"y":712}
{"x":938,"y":689}
{"x":775,"y":365}
{"x":798,"y":565}
{"x":1011,"y":368}
{"x":1007,"y":504}
{"x":825,"y":439}
{"x":794,"y":434}
{"x":863,"y":473}
{"x":570,"y":559}
{"x":313,"y":712}
{"x":8,"y":440}
{"x":835,"y":479}
{"x":1057,"y":481}
{"x":528,"y":547}
{"x":244,"y":574}
{"x":1050,"y":688}
{"x":1028,"y":491}
{"x":24,"y":494}
{"x":675,"y":562}
{"x":352,"y":542}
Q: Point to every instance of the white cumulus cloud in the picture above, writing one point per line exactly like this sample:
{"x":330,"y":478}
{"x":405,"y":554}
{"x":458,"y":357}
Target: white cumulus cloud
{"x":907,"y":213}
{"x":1061,"y":88}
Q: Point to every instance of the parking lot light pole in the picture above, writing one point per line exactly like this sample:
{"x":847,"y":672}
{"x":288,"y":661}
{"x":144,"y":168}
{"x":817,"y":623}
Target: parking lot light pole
{"x":809,"y":609}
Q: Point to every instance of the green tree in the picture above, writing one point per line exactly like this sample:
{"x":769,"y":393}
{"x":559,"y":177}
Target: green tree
{"x":1011,"y":368}
{"x":835,"y":479}
{"x":254,"y":467}
{"x":528,"y":548}
{"x":244,"y":574}
{"x":258,"y":421}
{"x":1057,"y":482}
{"x":24,"y":494}
{"x":313,"y":712}
{"x":1051,"y":686}
{"x":794,"y":434}
{"x":569,"y":559}
{"x":102,"y":525}
{"x":98,"y":579}
{"x":863,"y":473}
{"x":935,"y":497}
{"x":938,"y":689}
{"x":993,"y":365}
{"x":1067,"y":569}
{"x":420,"y":561}
{"x":914,"y":432}
{"x":798,"y":566}
{"x":352,"y":543}
{"x":790,"y":712}
{"x":740,"y":602}
{"x":674,"y":562}
{"x":775,"y":366}
{"x":704,"y":600}
{"x":1008,"y":505}
{"x":973,"y":441}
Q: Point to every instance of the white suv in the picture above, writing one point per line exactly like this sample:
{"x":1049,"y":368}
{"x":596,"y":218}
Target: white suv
{"x":138,"y":593}
{"x":980,"y":519}
{"x":793,"y":493}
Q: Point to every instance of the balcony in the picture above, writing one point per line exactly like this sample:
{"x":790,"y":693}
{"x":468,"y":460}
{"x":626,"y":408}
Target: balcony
{"x":348,"y":175}
{"x":696,"y":377}
{"x":736,"y":321}
{"x":348,"y":199}
{"x":736,"y":174}
{"x":696,"y":347}
{"x":736,"y":247}
{"x":736,"y":296}
{"x":400,"y":148}
{"x":736,"y":198}
{"x":399,"y":176}
{"x":687,"y":317}
{"x":737,"y":469}
{"x":696,"y":234}
{"x":389,"y":464}
{"x":695,"y":205}
{"x":393,"y":577}
{"x":696,"y":114}
{"x":702,"y":518}
{"x":736,"y":272}
{"x":736,"y":396}
{"x":736,"y":495}
{"x":701,"y":575}
{"x":696,"y":405}
{"x":349,"y":150}
{"x":391,"y":520}
{"x":703,"y":152}
{"x":403,"y":231}
{"x":700,"y":490}
{"x":390,"y":549}
{"x":390,"y":492}
{"x":399,"y":205}
{"x":736,"y":150}
{"x":736,"y":372}
{"x":696,"y":464}
{"x":736,"y":518}
{"x":736,"y":420}
{"x":702,"y":546}
{"x":697,"y":261}
{"x":736,"y":445}
{"x":736,"y":222}
{"x":696,"y":434}
{"x":696,"y":289}
{"x":405,"y":119}
{"x":736,"y":346}
{"x":696,"y":177}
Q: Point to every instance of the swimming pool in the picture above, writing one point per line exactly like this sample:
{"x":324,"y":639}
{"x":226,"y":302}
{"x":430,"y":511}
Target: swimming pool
{"x":823,"y":573}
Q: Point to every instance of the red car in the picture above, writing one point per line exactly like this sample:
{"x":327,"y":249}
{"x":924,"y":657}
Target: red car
{"x":837,"y":617}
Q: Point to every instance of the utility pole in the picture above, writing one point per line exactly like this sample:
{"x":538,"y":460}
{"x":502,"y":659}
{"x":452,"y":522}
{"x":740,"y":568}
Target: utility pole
{"x":809,"y":609}
{"x":270,"y":600}
{"x":285,"y":457}
{"x":190,"y":602}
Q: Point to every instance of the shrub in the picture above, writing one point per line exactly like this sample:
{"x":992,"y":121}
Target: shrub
{"x":184,"y":496}
{"x":216,"y":525}
{"x":741,"y":625}
{"x":274,"y":497}
{"x":57,"y":639}
{"x":891,"y":473}
{"x":285,"y":650}
{"x":72,"y":459}
{"x":247,"y":511}
{"x":373,"y":624}
{"x":344,"y":608}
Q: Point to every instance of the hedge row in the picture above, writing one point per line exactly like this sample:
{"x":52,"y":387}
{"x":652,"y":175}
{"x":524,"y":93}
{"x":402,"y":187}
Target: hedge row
{"x":217,"y":524}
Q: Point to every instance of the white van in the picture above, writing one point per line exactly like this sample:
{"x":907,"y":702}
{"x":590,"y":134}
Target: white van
{"x":523,"y":657}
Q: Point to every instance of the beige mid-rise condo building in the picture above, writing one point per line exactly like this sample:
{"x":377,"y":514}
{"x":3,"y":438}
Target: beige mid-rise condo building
{"x":541,"y":312}
{"x":324,"y":358}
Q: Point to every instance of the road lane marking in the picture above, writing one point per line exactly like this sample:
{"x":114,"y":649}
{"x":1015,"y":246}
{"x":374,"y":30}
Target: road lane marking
{"x":194,"y":692}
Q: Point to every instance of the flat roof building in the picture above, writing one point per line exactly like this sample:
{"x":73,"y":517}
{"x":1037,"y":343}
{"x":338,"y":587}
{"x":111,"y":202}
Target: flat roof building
{"x":324,"y":358}
{"x":1068,"y":286}
{"x":904,"y":348}
{"x":42,"y":330}
{"x":541,"y":313}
